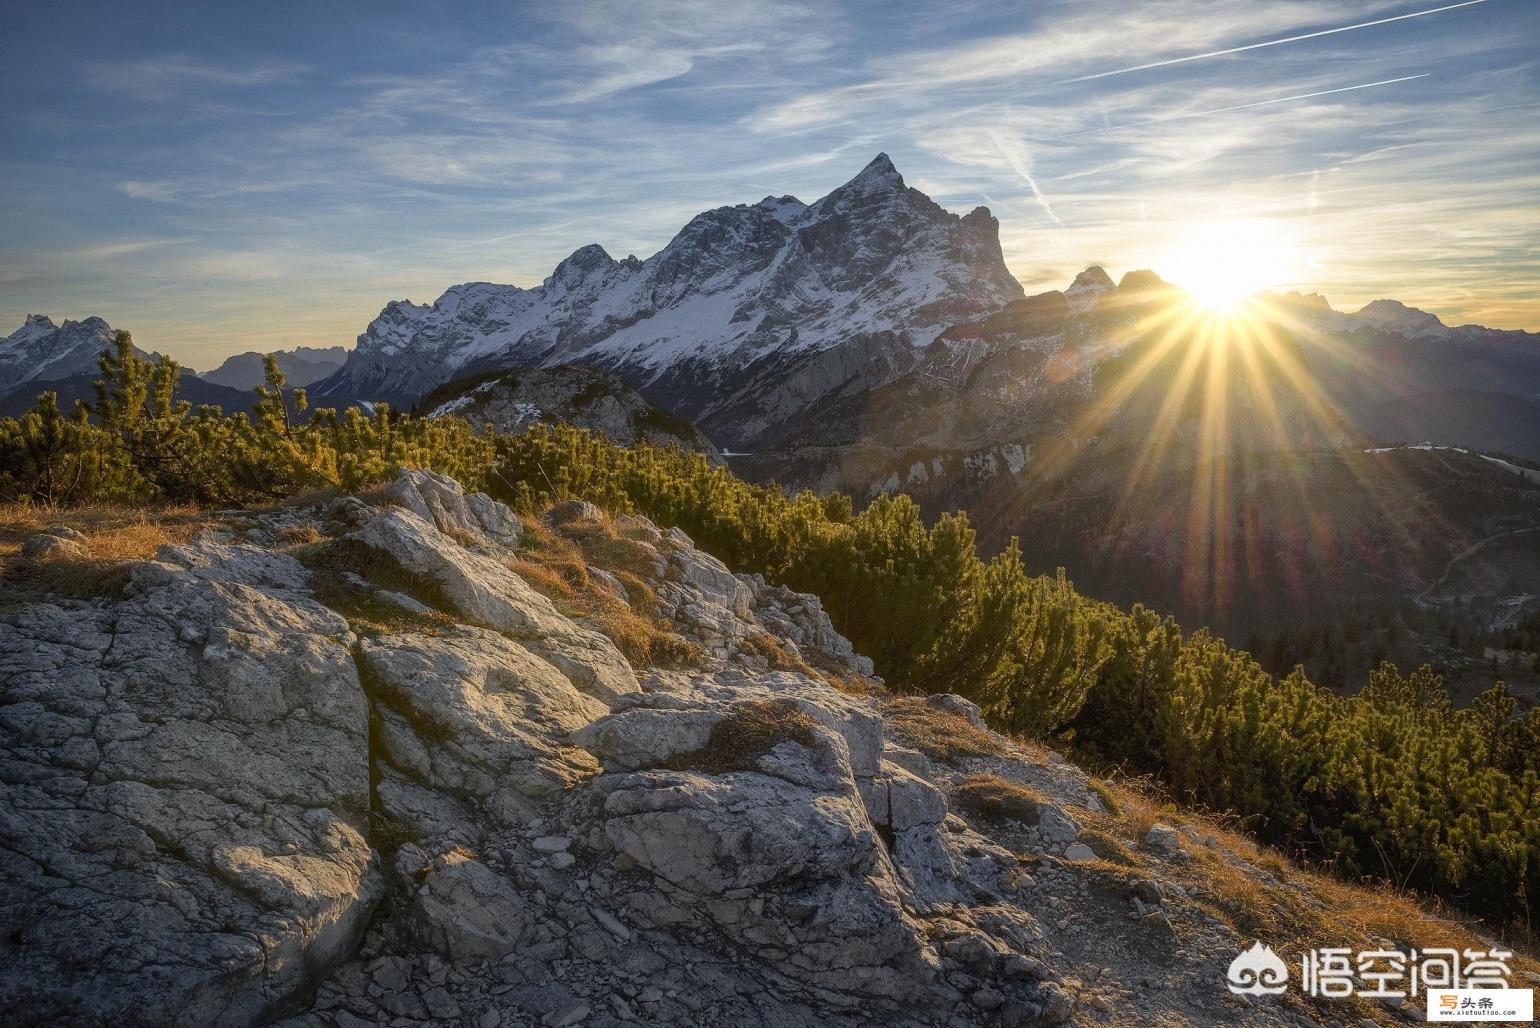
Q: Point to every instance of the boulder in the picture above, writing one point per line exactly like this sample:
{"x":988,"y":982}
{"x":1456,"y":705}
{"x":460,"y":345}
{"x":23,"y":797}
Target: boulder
{"x":184,"y":780}
{"x":962,"y":707}
{"x":486,"y":592}
{"x":45,"y":544}
{"x":461,"y":907}
{"x":1163,"y":839}
{"x":474,"y":518}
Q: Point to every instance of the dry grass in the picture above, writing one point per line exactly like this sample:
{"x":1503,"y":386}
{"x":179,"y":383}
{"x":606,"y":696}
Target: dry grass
{"x":1109,"y":848}
{"x":116,"y":537}
{"x":617,"y":553}
{"x":1108,"y":800}
{"x":842,"y":679}
{"x":937,"y":733}
{"x":388,"y":834}
{"x":574,"y":526}
{"x":995,"y":799}
{"x":557,"y":568}
{"x":1261,"y":893}
{"x":776,"y":656}
{"x":748,"y":733}
{"x":300,"y":535}
{"x":118,"y":533}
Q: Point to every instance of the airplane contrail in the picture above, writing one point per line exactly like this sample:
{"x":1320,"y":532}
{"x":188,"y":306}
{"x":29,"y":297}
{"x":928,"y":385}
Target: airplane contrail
{"x":1012,"y":152}
{"x":1270,"y":42}
{"x":1242,"y":107}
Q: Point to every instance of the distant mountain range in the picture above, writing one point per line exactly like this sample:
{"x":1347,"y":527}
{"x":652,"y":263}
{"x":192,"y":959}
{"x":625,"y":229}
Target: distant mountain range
{"x":43,"y":356}
{"x":301,"y":367}
{"x":757,"y":316}
{"x":773,"y":323}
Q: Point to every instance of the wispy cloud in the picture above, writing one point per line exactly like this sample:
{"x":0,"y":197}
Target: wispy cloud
{"x":1183,"y":115}
{"x":160,"y":76}
{"x":122,"y":248}
{"x":1302,"y":37}
{"x":206,"y":192}
{"x":1020,"y":161}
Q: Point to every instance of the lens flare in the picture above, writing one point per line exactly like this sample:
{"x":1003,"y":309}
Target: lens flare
{"x":1222,"y":264}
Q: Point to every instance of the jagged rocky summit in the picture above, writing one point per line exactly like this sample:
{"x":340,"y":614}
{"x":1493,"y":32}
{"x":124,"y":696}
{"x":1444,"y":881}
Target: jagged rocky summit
{"x":379,"y":779}
{"x":40,"y":351}
{"x":748,"y":315}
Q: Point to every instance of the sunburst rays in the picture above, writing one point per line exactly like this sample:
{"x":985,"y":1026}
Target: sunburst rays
{"x":1215,"y":396}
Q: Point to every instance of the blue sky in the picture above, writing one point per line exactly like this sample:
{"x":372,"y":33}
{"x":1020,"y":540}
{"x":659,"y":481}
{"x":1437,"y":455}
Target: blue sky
{"x":221,"y":177}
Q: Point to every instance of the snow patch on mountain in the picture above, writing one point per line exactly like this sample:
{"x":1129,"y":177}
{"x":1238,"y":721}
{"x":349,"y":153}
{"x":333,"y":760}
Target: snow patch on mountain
{"x":1395,"y":316}
{"x":777,"y":280}
{"x":40,"y":351}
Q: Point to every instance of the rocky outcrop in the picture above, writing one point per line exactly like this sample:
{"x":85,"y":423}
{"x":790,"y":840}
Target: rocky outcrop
{"x":474,"y":519}
{"x":512,"y":401}
{"x":481,"y":590}
{"x":185,"y":788}
{"x":444,"y":799}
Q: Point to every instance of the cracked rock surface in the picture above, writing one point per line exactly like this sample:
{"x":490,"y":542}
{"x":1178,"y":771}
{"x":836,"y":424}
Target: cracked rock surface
{"x":185,"y":788}
{"x":445,"y":799}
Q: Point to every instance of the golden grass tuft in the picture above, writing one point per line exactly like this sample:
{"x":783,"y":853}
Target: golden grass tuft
{"x":1109,"y":848}
{"x":776,"y":656}
{"x":300,"y":535}
{"x":116,"y":538}
{"x":557,"y":567}
{"x":746,"y":734}
{"x":937,"y":733}
{"x":995,"y":799}
{"x":1262,"y":893}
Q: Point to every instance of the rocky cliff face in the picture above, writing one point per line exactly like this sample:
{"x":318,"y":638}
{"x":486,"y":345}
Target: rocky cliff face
{"x":748,"y":315}
{"x":512,"y":401}
{"x":343,"y":765}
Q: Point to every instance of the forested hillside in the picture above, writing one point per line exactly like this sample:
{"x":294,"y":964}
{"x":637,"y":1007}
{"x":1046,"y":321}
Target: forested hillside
{"x":1393,"y":782}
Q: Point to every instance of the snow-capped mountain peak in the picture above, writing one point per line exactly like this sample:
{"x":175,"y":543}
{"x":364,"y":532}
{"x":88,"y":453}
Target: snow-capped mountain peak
{"x":36,"y":325}
{"x":584,"y":262}
{"x":40,"y":351}
{"x":878,"y":176}
{"x":848,"y":288}
{"x":1395,"y":316}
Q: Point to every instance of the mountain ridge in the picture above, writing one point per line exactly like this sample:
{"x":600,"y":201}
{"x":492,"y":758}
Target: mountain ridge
{"x":301,"y":366}
{"x":746,"y":315}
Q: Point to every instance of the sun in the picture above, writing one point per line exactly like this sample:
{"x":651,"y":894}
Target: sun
{"x":1224,"y":263}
